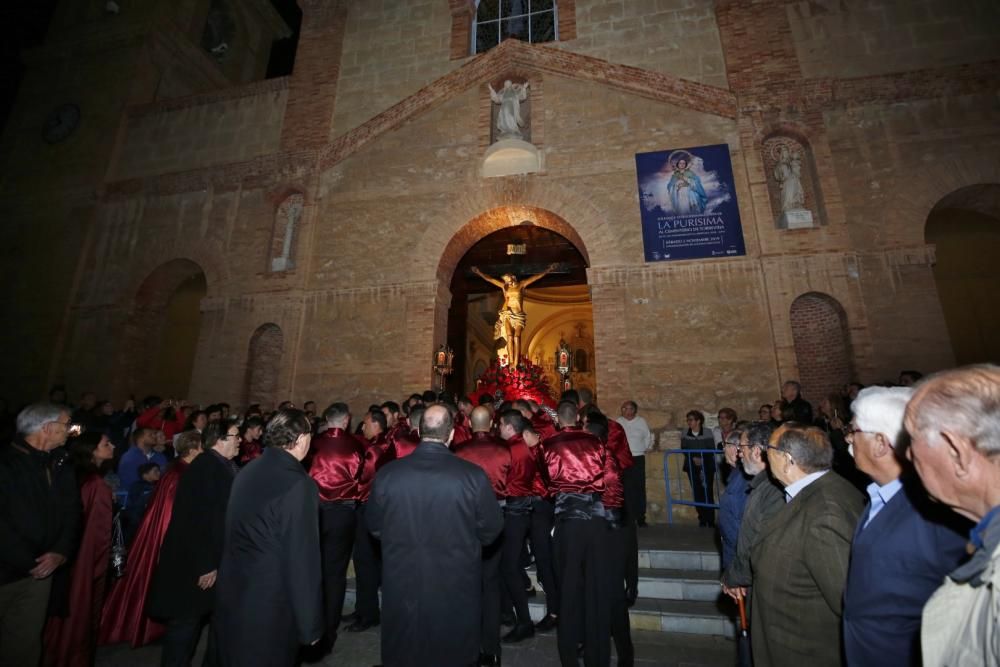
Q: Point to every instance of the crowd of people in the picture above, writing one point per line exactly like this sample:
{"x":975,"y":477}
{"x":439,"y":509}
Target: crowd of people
{"x":247,"y":526}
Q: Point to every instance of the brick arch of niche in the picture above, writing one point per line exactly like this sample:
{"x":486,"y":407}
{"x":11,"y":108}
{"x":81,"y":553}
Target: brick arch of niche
{"x":822,"y":345}
{"x":263,"y":373}
{"x":146,"y":310}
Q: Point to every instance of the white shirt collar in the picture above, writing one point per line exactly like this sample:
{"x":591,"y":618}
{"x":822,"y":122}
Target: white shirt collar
{"x":795,"y":488}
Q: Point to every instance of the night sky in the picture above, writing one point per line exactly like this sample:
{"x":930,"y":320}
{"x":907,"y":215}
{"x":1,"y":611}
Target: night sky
{"x":26,"y":21}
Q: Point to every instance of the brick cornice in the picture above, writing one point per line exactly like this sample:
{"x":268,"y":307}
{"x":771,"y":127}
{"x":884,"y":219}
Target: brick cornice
{"x":516,"y":55}
{"x":199,"y":99}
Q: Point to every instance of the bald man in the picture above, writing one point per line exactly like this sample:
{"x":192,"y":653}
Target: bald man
{"x":434,"y":513}
{"x":492,"y":455}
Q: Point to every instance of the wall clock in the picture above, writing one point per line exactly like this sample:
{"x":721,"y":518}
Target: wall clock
{"x":61,"y":123}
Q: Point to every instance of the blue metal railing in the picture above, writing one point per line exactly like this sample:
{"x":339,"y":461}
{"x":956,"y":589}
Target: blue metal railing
{"x":681,"y":475}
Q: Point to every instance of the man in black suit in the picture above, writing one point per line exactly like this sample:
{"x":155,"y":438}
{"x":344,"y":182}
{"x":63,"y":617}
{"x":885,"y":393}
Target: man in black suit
{"x":183,"y":588}
{"x":269,"y":599}
{"x":433,"y":513}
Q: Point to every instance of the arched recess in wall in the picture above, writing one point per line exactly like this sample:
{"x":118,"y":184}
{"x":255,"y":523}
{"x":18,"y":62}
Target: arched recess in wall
{"x":161,"y":333}
{"x":822,"y":345}
{"x":285,"y":232}
{"x":264,"y":366}
{"x":792,"y":180}
{"x":964,"y":227}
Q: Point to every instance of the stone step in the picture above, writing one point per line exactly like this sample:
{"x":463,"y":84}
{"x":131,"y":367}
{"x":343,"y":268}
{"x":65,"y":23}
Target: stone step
{"x":692,"y":616}
{"x":665,"y":584}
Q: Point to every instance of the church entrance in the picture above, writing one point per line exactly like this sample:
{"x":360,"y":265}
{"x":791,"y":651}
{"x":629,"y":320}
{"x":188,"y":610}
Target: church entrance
{"x":555,"y":301}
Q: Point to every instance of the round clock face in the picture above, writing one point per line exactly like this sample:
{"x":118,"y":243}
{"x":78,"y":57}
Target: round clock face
{"x":61,"y":123}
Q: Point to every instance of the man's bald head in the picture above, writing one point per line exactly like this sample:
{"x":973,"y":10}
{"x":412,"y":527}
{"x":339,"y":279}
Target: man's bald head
{"x":437,"y":424}
{"x":480,"y":419}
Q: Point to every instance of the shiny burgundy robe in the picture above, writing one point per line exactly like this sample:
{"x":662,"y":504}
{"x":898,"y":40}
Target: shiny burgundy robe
{"x":544,"y":425}
{"x":124,"y":618}
{"x":614,"y":492}
{"x":492,"y":455}
{"x":336,"y":465}
{"x":618,"y":446}
{"x":71,"y":640}
{"x":377,"y":454}
{"x":248,"y":452}
{"x":523,"y":469}
{"x":403,"y":440}
{"x":574,"y":462}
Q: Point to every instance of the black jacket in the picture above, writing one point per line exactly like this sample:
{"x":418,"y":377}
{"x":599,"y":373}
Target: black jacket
{"x":270,"y":594}
{"x":192,"y":545}
{"x":434,"y":513}
{"x":40,"y":508}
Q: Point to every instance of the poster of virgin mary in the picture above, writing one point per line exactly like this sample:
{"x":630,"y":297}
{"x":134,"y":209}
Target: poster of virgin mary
{"x":688,"y":204}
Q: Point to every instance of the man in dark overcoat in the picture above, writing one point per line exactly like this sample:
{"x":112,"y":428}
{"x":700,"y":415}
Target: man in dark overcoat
{"x":433,"y":513}
{"x":182,"y":592}
{"x":270,"y":594}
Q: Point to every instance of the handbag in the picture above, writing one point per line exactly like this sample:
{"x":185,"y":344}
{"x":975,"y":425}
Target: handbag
{"x":119,"y":553}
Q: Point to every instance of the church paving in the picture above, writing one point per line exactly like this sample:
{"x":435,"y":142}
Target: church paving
{"x":652,"y":649}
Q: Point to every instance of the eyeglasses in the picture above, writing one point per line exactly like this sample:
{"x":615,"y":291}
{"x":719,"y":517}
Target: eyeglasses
{"x":233,"y":435}
{"x":777,"y":449}
{"x":850,"y":430}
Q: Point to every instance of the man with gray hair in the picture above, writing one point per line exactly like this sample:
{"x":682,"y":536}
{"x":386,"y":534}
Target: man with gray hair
{"x":903,"y":546}
{"x":39,"y":523}
{"x":954,"y":424}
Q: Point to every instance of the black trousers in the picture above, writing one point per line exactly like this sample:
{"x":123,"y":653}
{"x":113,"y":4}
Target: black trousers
{"x":180,"y":639}
{"x":515,"y":531}
{"x":621,"y":632}
{"x":581,"y":547}
{"x":367,"y":570}
{"x":702,"y":480}
{"x":337,"y":525}
{"x":489,"y":637}
{"x":542,"y":521}
{"x":634,"y":482}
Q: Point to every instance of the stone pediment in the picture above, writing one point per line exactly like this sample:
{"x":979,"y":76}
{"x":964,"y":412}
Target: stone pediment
{"x":524,"y":58}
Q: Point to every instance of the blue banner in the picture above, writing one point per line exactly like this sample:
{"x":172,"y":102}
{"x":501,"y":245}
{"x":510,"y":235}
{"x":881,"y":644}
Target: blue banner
{"x":687,"y":201}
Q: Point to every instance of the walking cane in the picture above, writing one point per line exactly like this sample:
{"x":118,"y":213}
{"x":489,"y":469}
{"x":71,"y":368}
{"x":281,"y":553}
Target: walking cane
{"x":744,"y":657}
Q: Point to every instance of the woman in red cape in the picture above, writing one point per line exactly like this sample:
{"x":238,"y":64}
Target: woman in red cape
{"x":69,"y":640}
{"x":124,"y":618}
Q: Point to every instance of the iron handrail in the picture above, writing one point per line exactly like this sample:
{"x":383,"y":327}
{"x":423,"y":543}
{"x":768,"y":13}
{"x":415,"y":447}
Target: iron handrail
{"x":682,"y":475}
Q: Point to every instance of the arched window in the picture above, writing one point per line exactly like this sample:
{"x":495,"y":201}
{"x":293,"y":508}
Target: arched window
{"x":822,"y":345}
{"x":531,"y":21}
{"x":286,"y":229}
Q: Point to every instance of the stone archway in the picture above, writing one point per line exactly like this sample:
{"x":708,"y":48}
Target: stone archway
{"x":964,"y":227}
{"x":161,"y":332}
{"x":264,"y":366}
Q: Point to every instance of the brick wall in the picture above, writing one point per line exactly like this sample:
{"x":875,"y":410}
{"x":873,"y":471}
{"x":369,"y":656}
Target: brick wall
{"x":264,"y":358}
{"x":822,"y":348}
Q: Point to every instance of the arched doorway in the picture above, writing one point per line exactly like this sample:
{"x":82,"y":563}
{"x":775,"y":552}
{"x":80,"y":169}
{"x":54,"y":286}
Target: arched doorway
{"x":822,"y":346}
{"x":965,"y":229}
{"x":163,"y":329}
{"x":523,"y":250}
{"x":263,"y":366}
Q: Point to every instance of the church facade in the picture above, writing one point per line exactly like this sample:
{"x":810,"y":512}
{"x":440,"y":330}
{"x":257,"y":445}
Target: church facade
{"x":315,"y":221}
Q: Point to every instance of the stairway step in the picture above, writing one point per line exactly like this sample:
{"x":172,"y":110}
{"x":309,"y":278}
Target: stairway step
{"x":664,"y":584}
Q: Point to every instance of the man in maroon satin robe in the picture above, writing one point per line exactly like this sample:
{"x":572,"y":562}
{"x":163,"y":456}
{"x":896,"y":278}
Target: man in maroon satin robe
{"x":405,"y":439}
{"x":492,"y":455}
{"x":124,"y":616}
{"x":613,"y":499}
{"x":337,"y":465}
{"x":574,"y":466}
{"x":367,"y":553}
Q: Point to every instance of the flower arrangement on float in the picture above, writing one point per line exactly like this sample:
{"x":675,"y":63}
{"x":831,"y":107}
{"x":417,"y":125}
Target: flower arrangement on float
{"x":504,"y":382}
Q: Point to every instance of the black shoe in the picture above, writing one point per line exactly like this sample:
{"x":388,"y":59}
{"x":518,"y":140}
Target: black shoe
{"x":548,"y":623}
{"x":631,"y":595}
{"x":531,"y":592}
{"x":519,"y":633}
{"x":350,"y":618}
{"x":489,"y":660}
{"x":360,"y":625}
{"x":507,"y":618}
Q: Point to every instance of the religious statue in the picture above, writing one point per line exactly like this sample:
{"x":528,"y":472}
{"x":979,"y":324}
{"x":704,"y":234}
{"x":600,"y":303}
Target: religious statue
{"x":509,"y":98}
{"x":511,"y":318}
{"x":788,"y":174}
{"x":687,"y":195}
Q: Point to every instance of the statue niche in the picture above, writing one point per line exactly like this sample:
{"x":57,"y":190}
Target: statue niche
{"x":510,"y":149}
{"x":791,"y":182}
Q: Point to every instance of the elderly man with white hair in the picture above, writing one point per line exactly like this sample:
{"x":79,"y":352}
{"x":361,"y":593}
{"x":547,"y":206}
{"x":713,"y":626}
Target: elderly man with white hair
{"x":904,"y":544}
{"x":954,"y":424}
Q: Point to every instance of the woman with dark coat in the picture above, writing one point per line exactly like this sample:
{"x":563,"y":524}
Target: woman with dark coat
{"x":71,"y":640}
{"x":270,"y":578}
{"x":183,"y":588}
{"x":700,"y":467}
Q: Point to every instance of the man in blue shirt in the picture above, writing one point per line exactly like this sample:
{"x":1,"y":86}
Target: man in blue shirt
{"x":140,"y":452}
{"x":904,"y":544}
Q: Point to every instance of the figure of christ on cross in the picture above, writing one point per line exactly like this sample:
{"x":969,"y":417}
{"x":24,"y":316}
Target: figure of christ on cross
{"x":511,"y":318}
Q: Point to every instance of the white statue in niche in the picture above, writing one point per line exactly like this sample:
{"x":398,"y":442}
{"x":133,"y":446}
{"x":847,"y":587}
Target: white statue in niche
{"x":788,"y":174}
{"x":509,"y":98}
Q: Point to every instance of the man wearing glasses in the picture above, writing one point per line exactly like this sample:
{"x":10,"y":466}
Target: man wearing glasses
{"x":39,"y":521}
